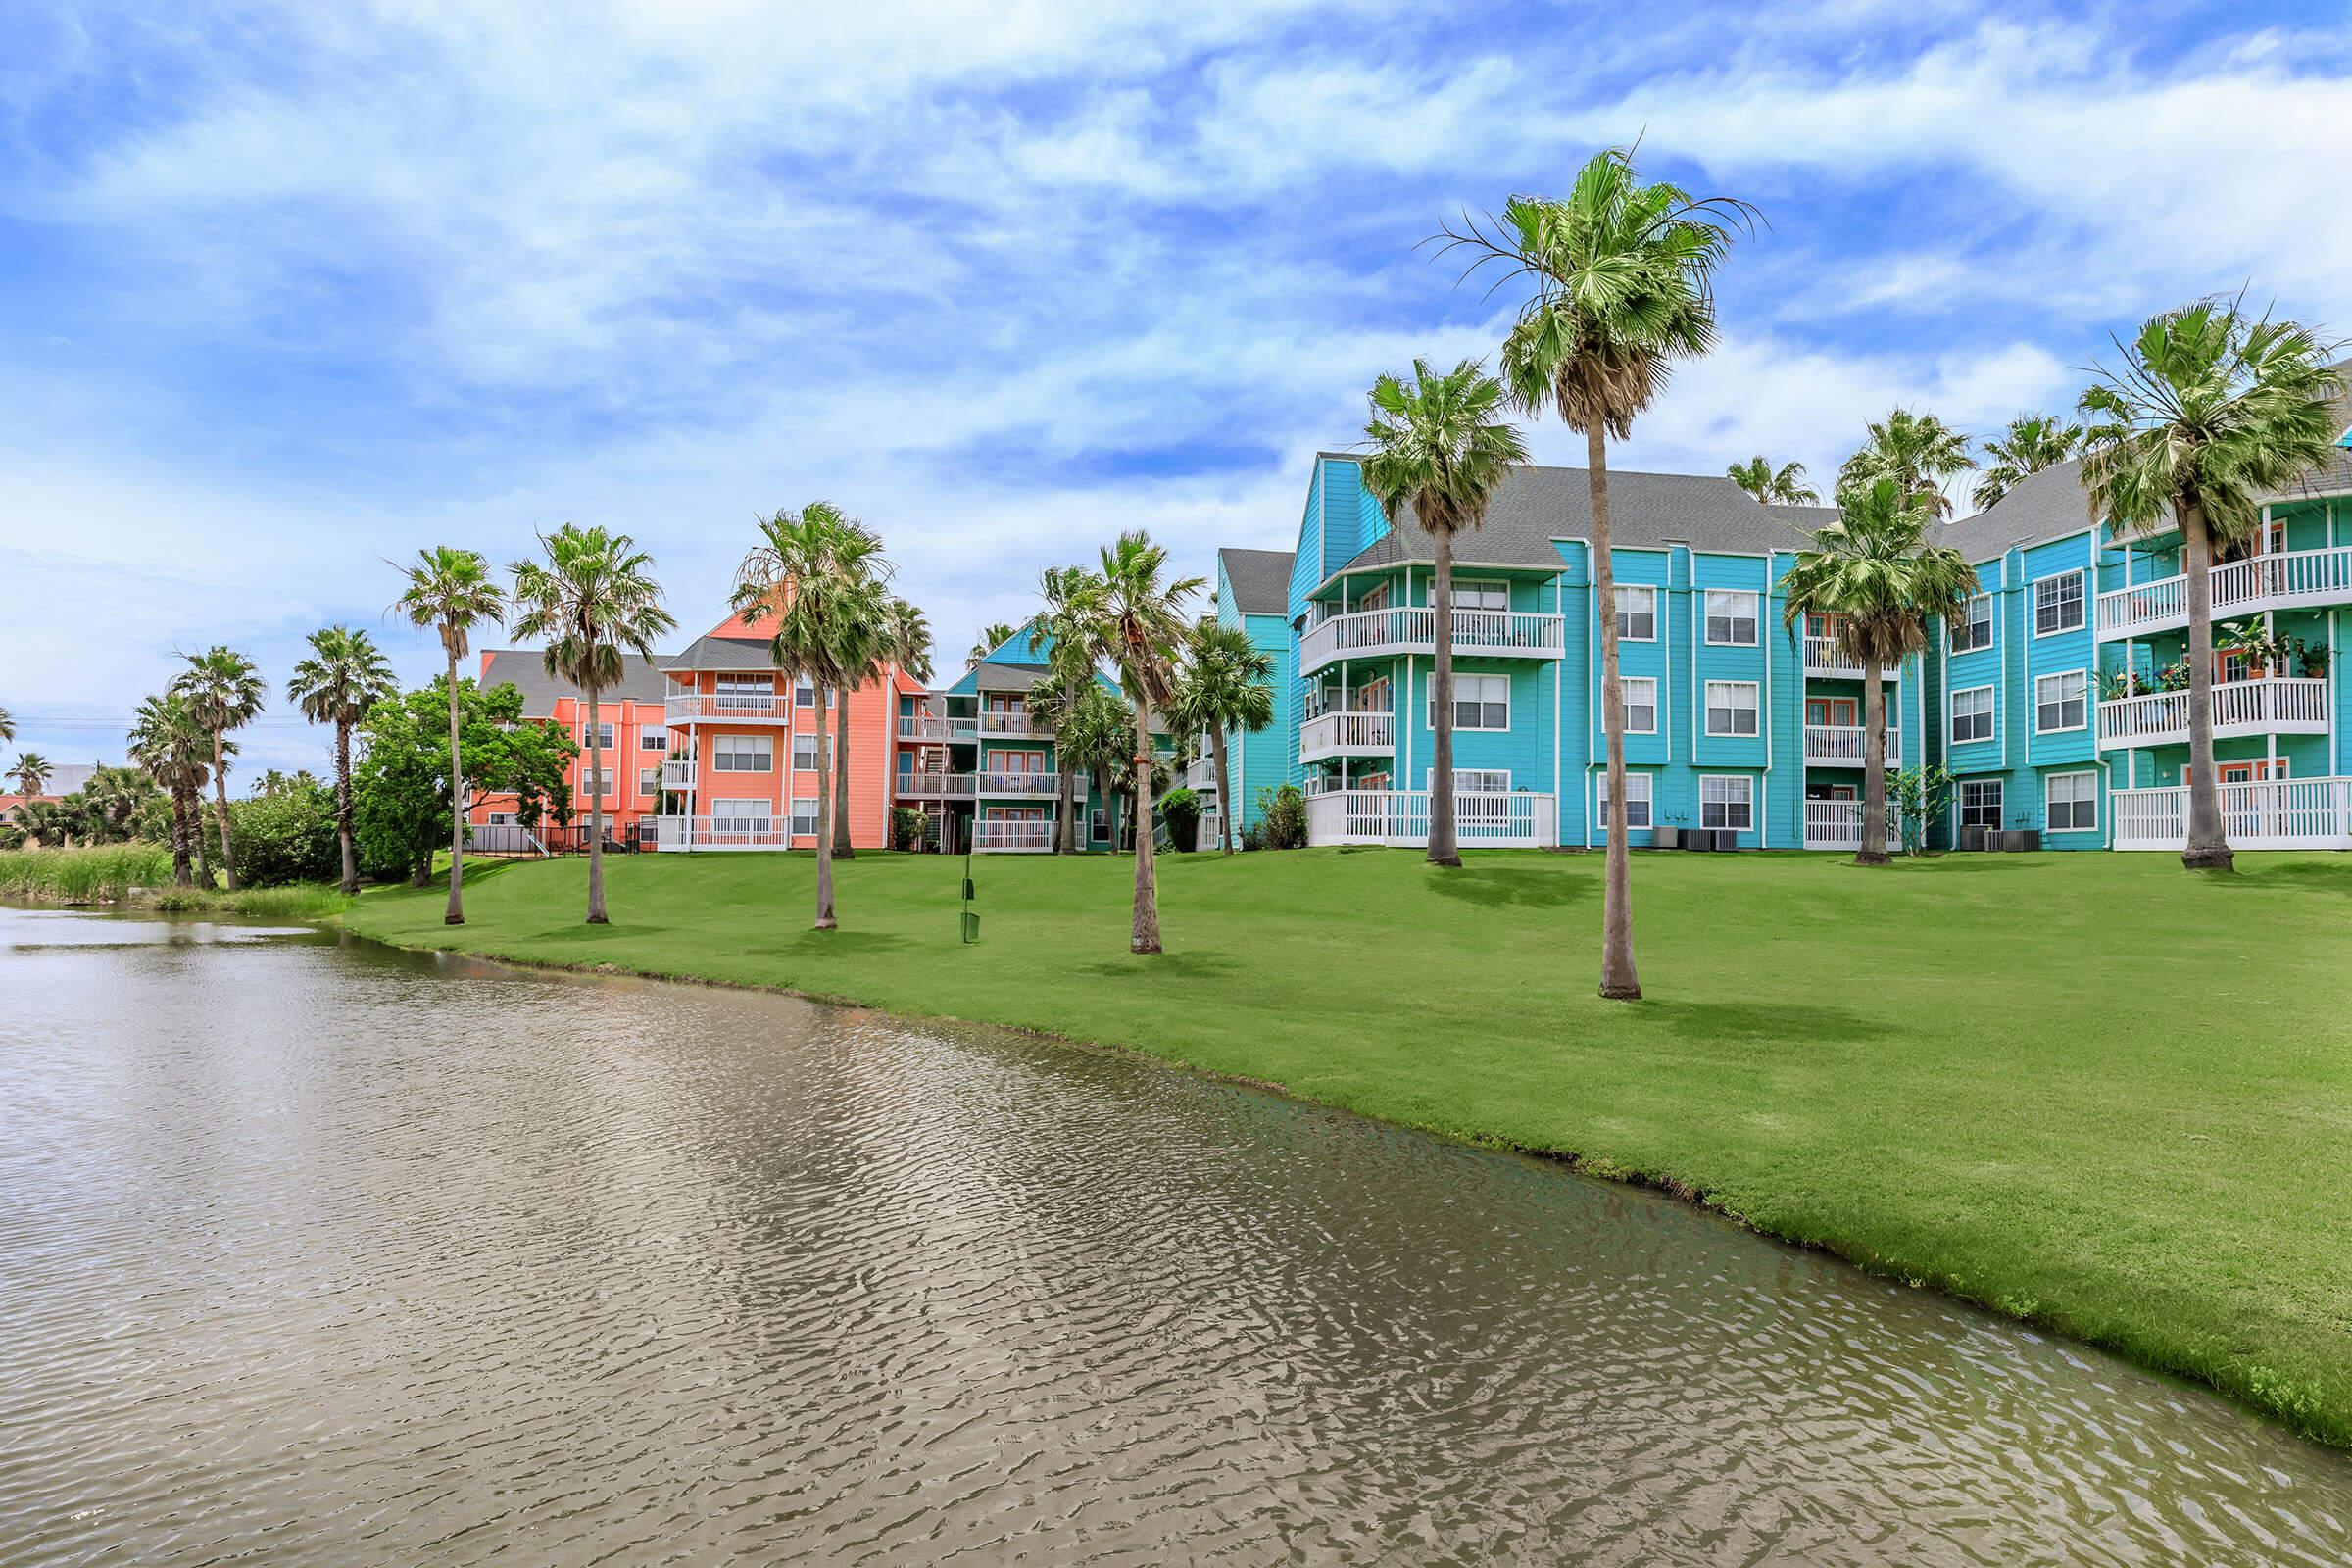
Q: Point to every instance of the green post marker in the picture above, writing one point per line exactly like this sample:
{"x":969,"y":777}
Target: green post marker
{"x":972,"y":921}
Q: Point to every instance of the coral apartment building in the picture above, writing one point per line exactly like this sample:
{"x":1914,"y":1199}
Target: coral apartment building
{"x":2054,"y":703}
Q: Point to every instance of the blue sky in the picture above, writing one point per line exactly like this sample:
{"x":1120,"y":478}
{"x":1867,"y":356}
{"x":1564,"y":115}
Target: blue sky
{"x":286,"y":289}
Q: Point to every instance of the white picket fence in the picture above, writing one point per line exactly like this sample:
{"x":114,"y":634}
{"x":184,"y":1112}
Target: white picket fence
{"x":1481,"y":819}
{"x":2301,"y":814}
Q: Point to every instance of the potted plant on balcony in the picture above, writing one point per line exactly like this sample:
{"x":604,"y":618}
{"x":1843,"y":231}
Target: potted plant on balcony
{"x":2311,"y":659}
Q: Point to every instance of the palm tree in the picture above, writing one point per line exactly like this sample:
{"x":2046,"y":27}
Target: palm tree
{"x":1143,"y":623}
{"x":900,"y":640}
{"x":1623,"y":276}
{"x":451,"y":590}
{"x":2210,"y":409}
{"x":32,"y":774}
{"x":2031,"y":443}
{"x":1091,"y":731}
{"x":1917,"y":451}
{"x":1782,"y":486}
{"x":173,"y":748}
{"x":224,"y":692}
{"x":1438,"y":447}
{"x":1227,"y":683}
{"x":1875,"y":576}
{"x":995,"y":635}
{"x":818,"y":576}
{"x":1073,"y":625}
{"x":593,"y":602}
{"x":343,"y":678}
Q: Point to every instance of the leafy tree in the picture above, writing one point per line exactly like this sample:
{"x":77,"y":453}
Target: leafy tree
{"x":1872,"y":574}
{"x":1227,"y":683}
{"x":224,"y":692}
{"x":288,"y":835}
{"x":32,"y":774}
{"x":818,"y":576}
{"x":2031,"y":443}
{"x":109,"y":806}
{"x":402,"y":781}
{"x":1623,"y":286}
{"x":1917,"y":451}
{"x":1439,"y":448}
{"x":450,"y":591}
{"x":1143,"y":623}
{"x":2209,"y":409}
{"x":337,"y":683}
{"x":593,"y":602}
{"x":1782,"y":486}
{"x":1090,"y":735}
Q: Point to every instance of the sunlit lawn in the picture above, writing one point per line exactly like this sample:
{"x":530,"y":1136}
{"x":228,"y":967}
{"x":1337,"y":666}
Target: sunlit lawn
{"x":2090,"y":1089}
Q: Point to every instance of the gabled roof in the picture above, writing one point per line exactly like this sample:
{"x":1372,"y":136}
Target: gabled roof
{"x":1260,"y":580}
{"x":525,"y":668}
{"x":2048,"y":505}
{"x":1647,"y":511}
{"x":714,"y":651}
{"x":1803,"y":518}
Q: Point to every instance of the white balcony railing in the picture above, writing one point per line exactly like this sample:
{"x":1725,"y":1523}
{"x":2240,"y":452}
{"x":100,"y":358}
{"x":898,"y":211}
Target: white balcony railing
{"x":723,"y":832}
{"x":1014,"y":837}
{"x":678,"y":775}
{"x":1027,"y":785}
{"x":1409,"y":629}
{"x":1012,"y":724}
{"x":926,"y":785}
{"x":937,"y":727}
{"x":2288,"y":580}
{"x":2302,"y":813}
{"x":2296,"y":705}
{"x":1481,"y":819}
{"x":1347,"y":735}
{"x":1842,"y":746}
{"x":1823,"y":657}
{"x":728,"y":708}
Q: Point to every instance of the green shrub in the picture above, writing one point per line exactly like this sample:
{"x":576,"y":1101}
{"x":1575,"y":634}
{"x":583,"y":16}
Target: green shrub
{"x":1180,"y":808}
{"x":906,"y":827}
{"x":286,"y":837}
{"x":1282,"y":818}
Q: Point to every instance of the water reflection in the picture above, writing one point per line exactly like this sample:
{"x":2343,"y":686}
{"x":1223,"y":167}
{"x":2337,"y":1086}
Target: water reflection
{"x":339,"y":1255}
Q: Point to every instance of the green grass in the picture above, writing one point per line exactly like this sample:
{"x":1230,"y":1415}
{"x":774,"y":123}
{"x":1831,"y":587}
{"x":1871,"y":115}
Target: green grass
{"x":97,"y":874}
{"x":2093,"y":1091}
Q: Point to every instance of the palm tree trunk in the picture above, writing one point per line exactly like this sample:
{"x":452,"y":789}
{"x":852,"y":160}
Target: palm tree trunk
{"x":1146,"y":935}
{"x":229,"y":857}
{"x":204,"y":856}
{"x":1619,"y":980}
{"x":2208,"y":844}
{"x":843,"y":849}
{"x":1216,"y":741}
{"x":596,"y":814}
{"x":825,"y":806}
{"x":179,"y":837}
{"x":343,"y":815}
{"x":455,"y":914}
{"x":1443,"y":850}
{"x":1874,"y":767}
{"x":1065,"y":835}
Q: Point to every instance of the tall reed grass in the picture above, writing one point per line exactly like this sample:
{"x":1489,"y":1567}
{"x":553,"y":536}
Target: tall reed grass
{"x":83,"y":876}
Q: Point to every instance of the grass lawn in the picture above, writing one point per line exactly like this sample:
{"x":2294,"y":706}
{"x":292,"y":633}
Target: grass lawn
{"x":2091,"y":1090}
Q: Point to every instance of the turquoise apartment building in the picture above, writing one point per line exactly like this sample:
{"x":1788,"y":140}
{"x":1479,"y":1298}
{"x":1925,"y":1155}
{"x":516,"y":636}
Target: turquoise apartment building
{"x":1254,"y":588}
{"x":2047,"y":704}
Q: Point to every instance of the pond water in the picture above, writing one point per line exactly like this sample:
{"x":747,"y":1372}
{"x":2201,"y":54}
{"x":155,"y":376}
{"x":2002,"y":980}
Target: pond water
{"x":316,"y":1252}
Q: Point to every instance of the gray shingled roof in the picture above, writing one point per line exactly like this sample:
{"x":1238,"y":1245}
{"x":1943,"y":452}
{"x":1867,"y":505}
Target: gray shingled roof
{"x":723,"y":653}
{"x":2335,"y":476}
{"x":992,"y":676}
{"x":1804,"y":519}
{"x":1537,"y":504}
{"x":1260,"y":579}
{"x":2048,"y":505}
{"x":526,"y":669}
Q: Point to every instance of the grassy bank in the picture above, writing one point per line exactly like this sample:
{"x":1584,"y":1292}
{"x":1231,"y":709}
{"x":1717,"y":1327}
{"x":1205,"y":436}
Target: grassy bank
{"x":140,"y":874}
{"x":2092,"y":1091}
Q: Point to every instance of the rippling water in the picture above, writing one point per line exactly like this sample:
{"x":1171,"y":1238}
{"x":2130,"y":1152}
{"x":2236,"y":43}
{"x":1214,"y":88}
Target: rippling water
{"x":314,"y":1253}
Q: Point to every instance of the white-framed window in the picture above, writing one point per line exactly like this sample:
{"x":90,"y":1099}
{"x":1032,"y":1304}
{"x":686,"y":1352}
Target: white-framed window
{"x":1974,"y":629}
{"x":1723,"y":801}
{"x":2062,"y":701}
{"x":2070,"y":802}
{"x":803,"y":752}
{"x":1641,"y":694}
{"x":1480,"y":701}
{"x":803,"y":818}
{"x":743,"y":754}
{"x":1981,"y":802}
{"x":1638,"y":793}
{"x":1731,"y":708}
{"x":649,"y":780}
{"x":1477,"y":780}
{"x":596,"y":781}
{"x":604,"y":735}
{"x":741,"y":816}
{"x":1482,"y":593}
{"x":1732,"y":618}
{"x":1098,"y":825}
{"x":653,"y":738}
{"x":804,"y":693}
{"x":744,"y":691}
{"x":1972,"y":714}
{"x":499,"y":819}
{"x":2058,"y":604}
{"x":1637,"y":612}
